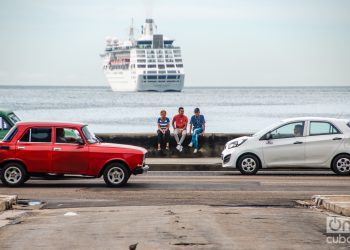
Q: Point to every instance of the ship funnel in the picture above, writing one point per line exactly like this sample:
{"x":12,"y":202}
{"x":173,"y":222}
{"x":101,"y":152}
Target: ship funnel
{"x":148,"y":27}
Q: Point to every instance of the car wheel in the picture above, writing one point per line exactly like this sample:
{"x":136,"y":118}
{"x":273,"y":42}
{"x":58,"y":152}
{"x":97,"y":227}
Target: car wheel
{"x":13,"y":174}
{"x":27,"y":178}
{"x":341,"y":164}
{"x":248,"y":164}
{"x":116,"y":175}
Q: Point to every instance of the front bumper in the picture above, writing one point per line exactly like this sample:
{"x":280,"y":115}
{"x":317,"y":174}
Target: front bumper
{"x":228,"y":158}
{"x":140,"y":170}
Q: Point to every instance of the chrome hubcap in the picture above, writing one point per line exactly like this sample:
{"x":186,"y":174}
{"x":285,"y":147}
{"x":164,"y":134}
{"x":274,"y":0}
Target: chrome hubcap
{"x":343,"y":165}
{"x":116,"y":175}
{"x":248,"y":164}
{"x":13,"y":175}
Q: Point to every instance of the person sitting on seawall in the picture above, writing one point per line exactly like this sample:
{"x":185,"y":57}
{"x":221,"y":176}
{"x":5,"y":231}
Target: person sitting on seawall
{"x":179,"y":123}
{"x":163,"y":131}
{"x":198,"y":124}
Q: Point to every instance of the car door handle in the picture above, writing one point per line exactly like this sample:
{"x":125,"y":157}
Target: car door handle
{"x":298,"y":142}
{"x":336,"y":138}
{"x":56,"y":149}
{"x":21,"y":147}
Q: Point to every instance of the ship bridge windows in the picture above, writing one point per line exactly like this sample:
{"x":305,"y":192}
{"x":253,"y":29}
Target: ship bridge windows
{"x":162,"y":72}
{"x":179,"y":65}
{"x":160,"y":60}
{"x":151,"y":66}
{"x":178,"y":60}
{"x":172,"y":77}
{"x":151,"y":72}
{"x":141,"y":66}
{"x":151,"y":61}
{"x":170,"y":66}
{"x":141,"y":60}
{"x":169,"y":60}
{"x":162,"y":77}
{"x":161,"y":66}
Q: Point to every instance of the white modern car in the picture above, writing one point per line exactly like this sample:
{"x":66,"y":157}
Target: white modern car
{"x":297,"y":142}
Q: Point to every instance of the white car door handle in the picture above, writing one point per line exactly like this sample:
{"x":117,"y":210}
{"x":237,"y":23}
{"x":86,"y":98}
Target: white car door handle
{"x":336,"y":138}
{"x":56,"y":149}
{"x":298,"y":142}
{"x":21,"y":147}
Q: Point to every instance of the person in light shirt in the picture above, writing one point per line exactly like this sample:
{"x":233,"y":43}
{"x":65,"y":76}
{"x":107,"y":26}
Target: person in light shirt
{"x":179,"y":123}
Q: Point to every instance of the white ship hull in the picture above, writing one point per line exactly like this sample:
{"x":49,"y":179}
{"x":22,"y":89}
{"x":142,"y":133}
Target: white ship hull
{"x":126,"y":81}
{"x":149,"y":63}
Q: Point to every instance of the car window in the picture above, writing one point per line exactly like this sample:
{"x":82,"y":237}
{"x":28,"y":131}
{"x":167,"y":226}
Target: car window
{"x":322,"y":128}
{"x":295,"y":129}
{"x":8,"y":137}
{"x":67,"y":135}
{"x":14,"y":118}
{"x":348,"y":124}
{"x":90,"y":136}
{"x":4,"y":124}
{"x":37,"y":135}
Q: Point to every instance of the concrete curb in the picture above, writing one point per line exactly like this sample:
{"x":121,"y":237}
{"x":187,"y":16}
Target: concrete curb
{"x":7,"y":201}
{"x":339,"y":204}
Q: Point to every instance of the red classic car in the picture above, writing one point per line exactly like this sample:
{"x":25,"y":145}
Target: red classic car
{"x":37,"y":148}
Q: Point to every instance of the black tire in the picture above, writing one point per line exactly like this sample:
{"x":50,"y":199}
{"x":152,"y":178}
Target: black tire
{"x":13,"y":174}
{"x":248,"y":164}
{"x":116,"y":175}
{"x":341,"y":164}
{"x":27,"y":178}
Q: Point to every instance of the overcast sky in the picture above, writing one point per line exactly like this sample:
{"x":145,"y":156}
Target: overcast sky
{"x":224,"y":42}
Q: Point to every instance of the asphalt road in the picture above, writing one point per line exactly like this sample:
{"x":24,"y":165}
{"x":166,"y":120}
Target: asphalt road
{"x":268,"y":188}
{"x":176,"y":210}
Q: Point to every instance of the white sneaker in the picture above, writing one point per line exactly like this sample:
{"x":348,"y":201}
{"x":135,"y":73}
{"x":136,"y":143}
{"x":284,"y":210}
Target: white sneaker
{"x":178,"y":147}
{"x":190,"y":145}
{"x":195,"y":151}
{"x":181,"y":148}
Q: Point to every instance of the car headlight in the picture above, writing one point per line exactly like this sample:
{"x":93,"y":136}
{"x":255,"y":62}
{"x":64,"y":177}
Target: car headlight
{"x":235,"y":144}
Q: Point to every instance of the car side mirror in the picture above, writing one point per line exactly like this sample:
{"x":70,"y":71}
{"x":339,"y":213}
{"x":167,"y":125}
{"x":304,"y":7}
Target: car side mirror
{"x":268,"y":136}
{"x":80,"y":141}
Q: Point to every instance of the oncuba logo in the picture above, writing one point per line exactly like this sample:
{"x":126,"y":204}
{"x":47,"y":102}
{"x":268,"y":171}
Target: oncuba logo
{"x":338,"y":225}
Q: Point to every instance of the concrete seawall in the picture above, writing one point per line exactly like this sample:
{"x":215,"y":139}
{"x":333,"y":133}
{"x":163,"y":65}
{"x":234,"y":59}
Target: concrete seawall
{"x":211,"y":145}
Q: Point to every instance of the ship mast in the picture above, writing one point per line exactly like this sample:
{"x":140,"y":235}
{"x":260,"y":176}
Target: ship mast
{"x":131,"y":30}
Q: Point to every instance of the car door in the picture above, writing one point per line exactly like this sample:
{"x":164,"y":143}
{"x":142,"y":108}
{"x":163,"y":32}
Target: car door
{"x":69,"y":152}
{"x":286,"y":146}
{"x":322,"y":141}
{"x":34,"y":148}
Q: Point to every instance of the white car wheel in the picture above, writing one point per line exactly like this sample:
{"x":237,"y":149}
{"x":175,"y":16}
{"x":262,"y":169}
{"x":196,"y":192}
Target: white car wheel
{"x":341,"y":165}
{"x":248,"y":164}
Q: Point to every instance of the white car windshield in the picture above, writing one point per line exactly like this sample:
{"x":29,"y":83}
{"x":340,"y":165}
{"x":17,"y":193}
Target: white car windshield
{"x":267,"y":129}
{"x":90,"y":136}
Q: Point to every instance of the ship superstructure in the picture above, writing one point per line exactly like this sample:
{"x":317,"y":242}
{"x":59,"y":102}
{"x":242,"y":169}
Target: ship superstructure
{"x":149,"y":63}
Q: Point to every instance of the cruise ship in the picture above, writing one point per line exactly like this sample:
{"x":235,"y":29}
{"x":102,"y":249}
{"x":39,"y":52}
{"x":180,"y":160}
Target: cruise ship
{"x":149,"y":63}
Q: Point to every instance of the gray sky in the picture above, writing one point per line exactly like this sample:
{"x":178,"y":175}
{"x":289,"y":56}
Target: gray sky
{"x":224,"y":42}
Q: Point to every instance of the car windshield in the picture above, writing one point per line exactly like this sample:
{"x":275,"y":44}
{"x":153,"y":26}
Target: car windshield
{"x":90,"y":136}
{"x":348,"y":124}
{"x":14,"y":118}
{"x":8,"y":137}
{"x":267,"y":129}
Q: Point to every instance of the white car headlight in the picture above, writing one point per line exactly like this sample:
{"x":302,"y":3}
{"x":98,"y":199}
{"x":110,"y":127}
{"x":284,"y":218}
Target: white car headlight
{"x":236,"y":143}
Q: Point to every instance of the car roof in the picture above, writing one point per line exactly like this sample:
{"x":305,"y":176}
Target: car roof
{"x":307,"y":118}
{"x":50,"y":124}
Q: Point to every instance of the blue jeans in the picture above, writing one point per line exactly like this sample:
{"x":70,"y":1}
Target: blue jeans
{"x":195,"y":134}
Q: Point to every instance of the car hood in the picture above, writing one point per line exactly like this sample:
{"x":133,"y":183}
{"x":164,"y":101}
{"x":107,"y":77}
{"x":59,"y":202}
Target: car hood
{"x":120,"y":146}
